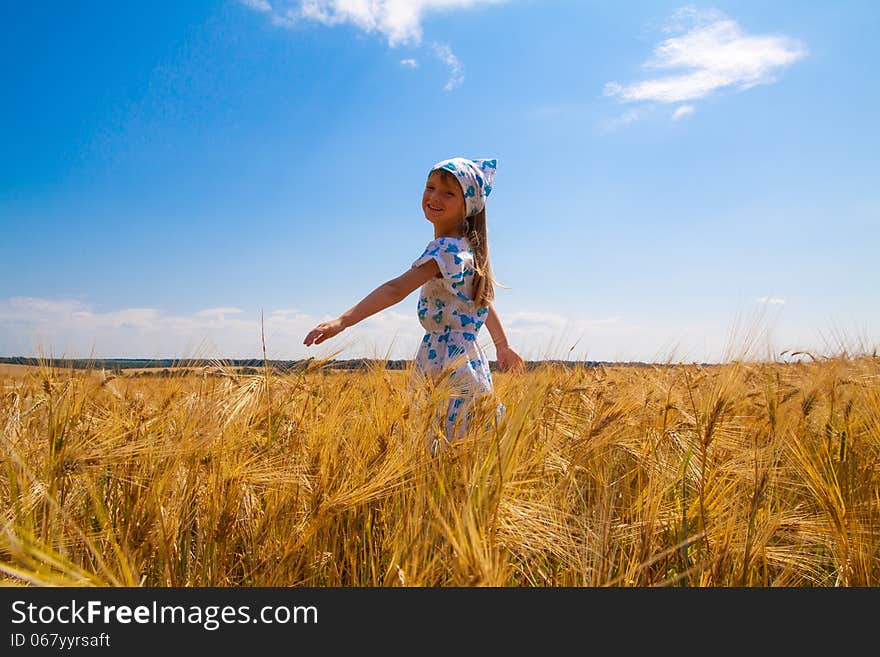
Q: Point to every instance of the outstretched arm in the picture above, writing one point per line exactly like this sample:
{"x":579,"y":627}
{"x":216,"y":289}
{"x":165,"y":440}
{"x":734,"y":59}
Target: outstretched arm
{"x":387,"y":294}
{"x":507,"y":358}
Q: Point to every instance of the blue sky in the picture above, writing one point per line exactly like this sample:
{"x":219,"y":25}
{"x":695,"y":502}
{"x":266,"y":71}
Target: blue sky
{"x":675,"y":182}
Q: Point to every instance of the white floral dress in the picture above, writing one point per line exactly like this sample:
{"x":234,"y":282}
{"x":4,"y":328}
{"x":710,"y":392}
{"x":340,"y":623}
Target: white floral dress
{"x":449,"y":347}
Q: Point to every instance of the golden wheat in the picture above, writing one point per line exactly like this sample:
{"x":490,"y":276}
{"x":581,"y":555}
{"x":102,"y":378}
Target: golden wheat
{"x":739,"y":474}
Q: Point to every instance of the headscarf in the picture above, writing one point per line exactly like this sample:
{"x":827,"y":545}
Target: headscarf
{"x":475,"y":178}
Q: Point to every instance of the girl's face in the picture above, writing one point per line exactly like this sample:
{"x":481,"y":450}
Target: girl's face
{"x":443,"y":202}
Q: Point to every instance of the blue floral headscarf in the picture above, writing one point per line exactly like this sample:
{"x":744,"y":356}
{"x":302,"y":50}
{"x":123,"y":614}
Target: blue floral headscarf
{"x":475,"y":178}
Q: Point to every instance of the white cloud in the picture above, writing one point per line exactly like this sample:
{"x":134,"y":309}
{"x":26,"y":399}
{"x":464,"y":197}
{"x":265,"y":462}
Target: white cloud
{"x":66,"y":328}
{"x":445,"y":54}
{"x":683,"y":111}
{"x":218,"y":312}
{"x":259,"y":5}
{"x":72,"y":327}
{"x":684,"y":18}
{"x":713,"y":53}
{"x":399,"y":21}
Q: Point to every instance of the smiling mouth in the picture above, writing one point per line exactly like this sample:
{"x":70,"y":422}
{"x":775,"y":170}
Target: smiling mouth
{"x":434,"y":209}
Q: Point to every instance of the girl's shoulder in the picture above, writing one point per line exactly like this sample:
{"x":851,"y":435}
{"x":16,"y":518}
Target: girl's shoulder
{"x":455,"y":242}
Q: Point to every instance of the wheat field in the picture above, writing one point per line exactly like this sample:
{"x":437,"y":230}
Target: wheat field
{"x":739,"y":474}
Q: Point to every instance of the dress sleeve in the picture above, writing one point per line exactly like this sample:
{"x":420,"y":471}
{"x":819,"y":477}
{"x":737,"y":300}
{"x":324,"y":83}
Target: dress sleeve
{"x":452,"y":260}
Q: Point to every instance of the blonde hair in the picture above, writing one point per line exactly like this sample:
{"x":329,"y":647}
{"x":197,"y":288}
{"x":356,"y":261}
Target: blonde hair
{"x":475,"y":231}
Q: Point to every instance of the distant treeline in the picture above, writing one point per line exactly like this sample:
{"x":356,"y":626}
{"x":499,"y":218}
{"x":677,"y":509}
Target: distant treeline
{"x":119,"y":364}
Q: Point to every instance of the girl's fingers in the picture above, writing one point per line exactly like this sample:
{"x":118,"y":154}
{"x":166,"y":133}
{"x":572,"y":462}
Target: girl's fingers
{"x":313,"y":336}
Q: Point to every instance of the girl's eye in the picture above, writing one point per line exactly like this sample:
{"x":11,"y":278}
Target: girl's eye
{"x":450,"y":194}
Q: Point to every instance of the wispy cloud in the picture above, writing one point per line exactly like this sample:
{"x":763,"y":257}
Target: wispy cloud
{"x":218,"y":312}
{"x":398,"y":21}
{"x":683,"y":111}
{"x":445,"y":54}
{"x":259,"y":5}
{"x":776,"y":301}
{"x":711,"y":53}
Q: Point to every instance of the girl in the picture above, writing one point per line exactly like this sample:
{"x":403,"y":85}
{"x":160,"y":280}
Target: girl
{"x":456,"y":294}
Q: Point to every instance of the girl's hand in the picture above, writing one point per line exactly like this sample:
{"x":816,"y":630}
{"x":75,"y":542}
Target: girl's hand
{"x":324,"y":331}
{"x":508,"y":359}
